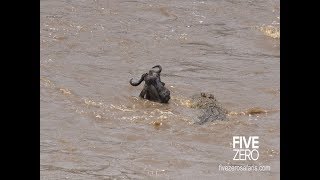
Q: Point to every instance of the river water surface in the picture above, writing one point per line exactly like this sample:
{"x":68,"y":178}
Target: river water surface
{"x":94,"y":126}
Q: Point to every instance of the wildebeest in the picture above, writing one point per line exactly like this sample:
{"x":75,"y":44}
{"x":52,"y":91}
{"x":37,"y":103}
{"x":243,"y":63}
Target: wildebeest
{"x":153,"y":89}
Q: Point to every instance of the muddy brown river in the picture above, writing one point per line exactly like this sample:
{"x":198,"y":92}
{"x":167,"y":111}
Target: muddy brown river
{"x":93,"y":125}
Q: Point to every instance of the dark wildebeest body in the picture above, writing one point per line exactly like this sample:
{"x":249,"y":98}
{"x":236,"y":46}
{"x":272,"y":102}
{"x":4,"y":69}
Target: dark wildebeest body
{"x":153,"y":89}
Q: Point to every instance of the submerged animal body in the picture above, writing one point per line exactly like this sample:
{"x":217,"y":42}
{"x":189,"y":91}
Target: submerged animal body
{"x":153,"y":89}
{"x":211,"y":109}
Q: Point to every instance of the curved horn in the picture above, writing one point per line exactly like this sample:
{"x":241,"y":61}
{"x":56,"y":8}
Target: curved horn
{"x":160,"y":68}
{"x":137,"y":83}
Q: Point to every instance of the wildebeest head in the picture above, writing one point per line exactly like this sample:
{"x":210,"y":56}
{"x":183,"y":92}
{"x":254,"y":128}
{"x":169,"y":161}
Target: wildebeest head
{"x":160,"y":68}
{"x":155,"y":73}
